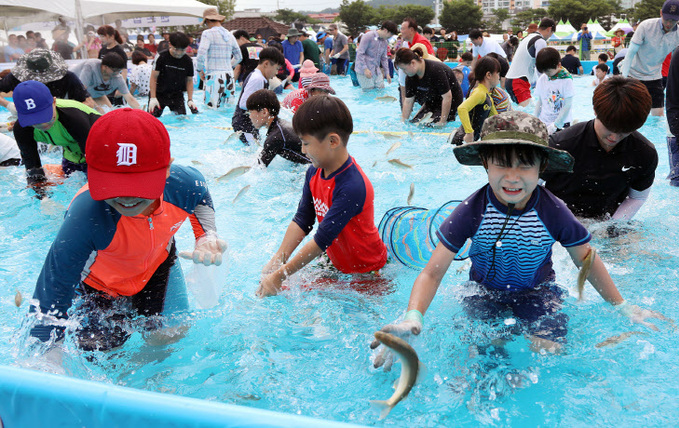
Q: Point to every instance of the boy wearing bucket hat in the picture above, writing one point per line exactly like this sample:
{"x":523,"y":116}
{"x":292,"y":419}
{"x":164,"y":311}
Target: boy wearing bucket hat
{"x":513,"y":224}
{"x":47,"y":67}
{"x":117,"y":240}
{"x":44,"y":118}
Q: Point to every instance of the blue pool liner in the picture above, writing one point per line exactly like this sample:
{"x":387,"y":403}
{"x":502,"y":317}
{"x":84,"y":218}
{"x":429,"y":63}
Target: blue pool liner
{"x":35,"y":399}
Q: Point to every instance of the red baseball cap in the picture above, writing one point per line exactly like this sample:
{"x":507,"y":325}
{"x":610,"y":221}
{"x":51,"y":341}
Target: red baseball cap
{"x":127,"y":152}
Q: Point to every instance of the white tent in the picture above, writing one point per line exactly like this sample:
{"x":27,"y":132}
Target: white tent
{"x":17,"y":12}
{"x":107,"y":11}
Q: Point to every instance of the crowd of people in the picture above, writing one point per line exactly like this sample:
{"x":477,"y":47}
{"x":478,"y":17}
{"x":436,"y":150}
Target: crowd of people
{"x":543,"y":170}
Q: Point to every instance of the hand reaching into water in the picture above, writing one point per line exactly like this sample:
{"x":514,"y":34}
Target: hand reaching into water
{"x":411,"y":325}
{"x":639,"y":315}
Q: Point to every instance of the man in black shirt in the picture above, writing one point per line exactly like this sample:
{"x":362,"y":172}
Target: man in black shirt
{"x":250,"y":52}
{"x":172,"y":75}
{"x":47,"y":67}
{"x":614,"y":164}
{"x":281,"y":140}
{"x":571,"y":62}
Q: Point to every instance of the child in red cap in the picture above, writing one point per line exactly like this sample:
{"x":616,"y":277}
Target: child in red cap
{"x":116,"y":246}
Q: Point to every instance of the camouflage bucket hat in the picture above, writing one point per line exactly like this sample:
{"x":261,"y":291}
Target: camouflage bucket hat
{"x":515,"y":127}
{"x":42,"y":65}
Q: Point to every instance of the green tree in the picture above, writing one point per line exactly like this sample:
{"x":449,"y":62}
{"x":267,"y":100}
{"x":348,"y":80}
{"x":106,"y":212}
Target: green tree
{"x":356,"y":15}
{"x":461,"y":15}
{"x":386,"y":13}
{"x":523,"y":18}
{"x":501,"y":15}
{"x":225,"y":7}
{"x":646,"y":9}
{"x":421,"y":14}
{"x":581,"y":11}
{"x":288,"y":16}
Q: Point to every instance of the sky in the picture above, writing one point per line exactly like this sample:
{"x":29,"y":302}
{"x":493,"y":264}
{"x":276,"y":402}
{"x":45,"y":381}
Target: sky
{"x":296,"y":5}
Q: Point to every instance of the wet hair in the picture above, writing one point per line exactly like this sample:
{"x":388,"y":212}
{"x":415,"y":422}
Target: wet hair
{"x":621,"y":104}
{"x":390,"y":26}
{"x":405,"y":55}
{"x":179,"y":40}
{"x":504,"y":64}
{"x":411,"y":22}
{"x":602,"y":67}
{"x":475,"y":34}
{"x":264,"y":99}
{"x":467,"y":56}
{"x":505,"y":155}
{"x":547,"y":59}
{"x":113,"y":60}
{"x":276,"y":45}
{"x":603,"y":57}
{"x":110,"y":32}
{"x":138,"y":57}
{"x":321,"y":115}
{"x":571,"y":48}
{"x":241,"y":33}
{"x":547,"y":23}
{"x":487,"y":64}
{"x":272,"y":54}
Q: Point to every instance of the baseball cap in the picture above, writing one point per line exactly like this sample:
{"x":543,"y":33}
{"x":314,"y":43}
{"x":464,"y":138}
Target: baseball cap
{"x":33,"y":101}
{"x":127,"y":152}
{"x":321,"y":34}
{"x":670,"y":10}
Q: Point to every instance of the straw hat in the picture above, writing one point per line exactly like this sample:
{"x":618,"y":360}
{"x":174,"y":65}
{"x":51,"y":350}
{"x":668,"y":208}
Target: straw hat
{"x":213,"y":15}
{"x":426,"y":54}
{"x":515,"y":127}
{"x":42,"y":65}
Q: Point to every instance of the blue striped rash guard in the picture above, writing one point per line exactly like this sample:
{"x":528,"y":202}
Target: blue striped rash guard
{"x":522,"y":257}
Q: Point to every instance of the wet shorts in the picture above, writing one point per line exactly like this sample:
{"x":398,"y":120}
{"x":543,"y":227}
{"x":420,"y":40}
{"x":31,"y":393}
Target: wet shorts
{"x":536,"y":310}
{"x":518,"y":89}
{"x":656,"y":90}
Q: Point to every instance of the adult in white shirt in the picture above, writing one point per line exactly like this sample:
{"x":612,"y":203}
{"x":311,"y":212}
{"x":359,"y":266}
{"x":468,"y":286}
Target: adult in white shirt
{"x":482,"y":46}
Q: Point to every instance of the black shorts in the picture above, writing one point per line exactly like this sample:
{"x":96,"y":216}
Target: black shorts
{"x":174,"y":101}
{"x":656,"y":90}
{"x":109,"y":321}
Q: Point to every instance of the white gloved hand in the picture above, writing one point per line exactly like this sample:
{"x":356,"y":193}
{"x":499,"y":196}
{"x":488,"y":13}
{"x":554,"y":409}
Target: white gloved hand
{"x":208,"y":251}
{"x":411,"y":325}
{"x":12,"y":109}
{"x":297,"y":66}
{"x":192,"y":106}
{"x":153,"y":103}
{"x":639,"y":315}
{"x":335,"y":56}
{"x":551,"y":128}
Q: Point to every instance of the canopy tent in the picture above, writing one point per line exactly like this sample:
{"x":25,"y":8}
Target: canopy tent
{"x":623,"y":25}
{"x":17,"y":12}
{"x":563,"y":31}
{"x":596,"y":30}
{"x":107,"y":11}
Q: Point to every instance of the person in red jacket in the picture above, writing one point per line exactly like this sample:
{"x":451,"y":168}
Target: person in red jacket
{"x":336,"y":193}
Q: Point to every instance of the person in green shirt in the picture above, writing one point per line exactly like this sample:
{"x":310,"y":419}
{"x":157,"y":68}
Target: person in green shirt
{"x":311,"y":50}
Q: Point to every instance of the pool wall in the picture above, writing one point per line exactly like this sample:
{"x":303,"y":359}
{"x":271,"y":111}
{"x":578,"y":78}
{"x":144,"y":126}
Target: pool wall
{"x":587,"y":66}
{"x":35,"y":399}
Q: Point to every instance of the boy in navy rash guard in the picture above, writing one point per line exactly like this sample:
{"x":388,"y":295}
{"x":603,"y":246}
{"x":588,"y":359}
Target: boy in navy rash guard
{"x":336,"y":192}
{"x":513,"y":224}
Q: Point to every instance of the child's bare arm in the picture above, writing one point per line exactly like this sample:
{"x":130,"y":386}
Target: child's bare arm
{"x":598,"y":277}
{"x":429,"y":279}
{"x":293,"y":236}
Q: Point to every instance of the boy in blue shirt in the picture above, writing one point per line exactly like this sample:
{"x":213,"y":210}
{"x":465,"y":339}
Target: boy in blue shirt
{"x":513,"y":224}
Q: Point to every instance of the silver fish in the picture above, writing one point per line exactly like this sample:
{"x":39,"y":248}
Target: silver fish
{"x":386,"y":99}
{"x":398,"y":163}
{"x":374,"y":164}
{"x":411,"y":134}
{"x":614,"y":340}
{"x":427,"y":118}
{"x":394,"y":146}
{"x":233,"y":137}
{"x":391,"y":135}
{"x":195,"y":162}
{"x":234,"y":172}
{"x":410,"y":368}
{"x":411,"y":193}
{"x":18,"y":298}
{"x":584,"y":271}
{"x":241,"y":193}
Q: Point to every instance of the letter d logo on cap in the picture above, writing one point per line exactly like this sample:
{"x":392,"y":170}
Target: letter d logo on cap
{"x":30,"y":104}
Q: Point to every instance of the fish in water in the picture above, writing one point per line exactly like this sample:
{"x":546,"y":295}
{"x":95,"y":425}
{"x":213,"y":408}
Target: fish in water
{"x":386,"y":98}
{"x":584,"y":271}
{"x":614,"y":340}
{"x":18,"y":298}
{"x":398,"y":163}
{"x":241,"y":193}
{"x":411,"y":134}
{"x":234,"y":172}
{"x":411,"y":193}
{"x":394,"y":146}
{"x":195,"y":162}
{"x":427,"y":118}
{"x":233,"y":137}
{"x":410,"y":368}
{"x":391,"y":135}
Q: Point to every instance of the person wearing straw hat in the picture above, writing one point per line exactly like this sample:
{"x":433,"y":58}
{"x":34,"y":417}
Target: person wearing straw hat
{"x":293,"y":50}
{"x":47,"y":67}
{"x":512,"y":223}
{"x":218,"y":53}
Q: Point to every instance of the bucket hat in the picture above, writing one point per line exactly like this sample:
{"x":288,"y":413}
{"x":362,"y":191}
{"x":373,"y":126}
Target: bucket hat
{"x":42,"y":65}
{"x":320,"y":81}
{"x":293,"y":32}
{"x":213,"y":15}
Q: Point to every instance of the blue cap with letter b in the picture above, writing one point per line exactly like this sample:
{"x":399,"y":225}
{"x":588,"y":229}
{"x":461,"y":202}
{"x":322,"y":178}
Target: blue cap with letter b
{"x":33,"y":101}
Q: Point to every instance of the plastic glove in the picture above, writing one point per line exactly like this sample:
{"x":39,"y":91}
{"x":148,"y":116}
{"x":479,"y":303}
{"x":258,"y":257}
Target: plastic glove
{"x":639,"y":315}
{"x":336,"y":56}
{"x":12,"y":109}
{"x":192,"y":106}
{"x":153,"y":104}
{"x":551,"y":128}
{"x":297,"y":66}
{"x":208,"y":251}
{"x":411,"y":325}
